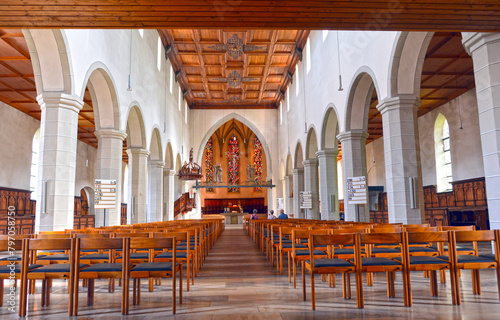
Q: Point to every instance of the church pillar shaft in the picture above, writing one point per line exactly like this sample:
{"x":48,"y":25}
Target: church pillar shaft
{"x":311,"y":184}
{"x":328,"y":184}
{"x":403,"y":173}
{"x":288,"y":193}
{"x":155,"y":191}
{"x":109,"y":167}
{"x":57,"y":164}
{"x":298,"y":186}
{"x":138,"y":185}
{"x":168,"y":191}
{"x":354,"y":165}
{"x":484,"y":49}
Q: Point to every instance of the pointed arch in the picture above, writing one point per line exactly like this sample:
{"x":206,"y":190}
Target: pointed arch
{"x":104,"y":97}
{"x":311,"y":144}
{"x":50,"y":57}
{"x":330,"y":129}
{"x":282,"y":170}
{"x":289,"y":165}
{"x":247,"y":123}
{"x":359,"y":98}
{"x":299,"y":156}
{"x":169,"y":157}
{"x":178,"y":162}
{"x":405,"y":69}
{"x":155,"y":145}
{"x":136,"y":134}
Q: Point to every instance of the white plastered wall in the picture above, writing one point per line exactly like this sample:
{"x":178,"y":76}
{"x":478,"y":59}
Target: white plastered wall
{"x":318,"y":88}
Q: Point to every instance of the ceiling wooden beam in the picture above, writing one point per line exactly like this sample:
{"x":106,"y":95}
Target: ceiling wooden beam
{"x":405,"y":15}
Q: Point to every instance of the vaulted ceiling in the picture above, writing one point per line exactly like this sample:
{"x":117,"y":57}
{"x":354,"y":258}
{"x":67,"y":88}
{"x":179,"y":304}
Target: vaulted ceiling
{"x":228,"y":68}
{"x":411,"y":15}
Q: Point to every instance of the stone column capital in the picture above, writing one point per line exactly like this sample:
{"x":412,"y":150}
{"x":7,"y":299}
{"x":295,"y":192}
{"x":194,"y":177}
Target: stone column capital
{"x":59,"y":100}
{"x":399,"y":102}
{"x":298,"y":171}
{"x":310,"y":162}
{"x":110,"y":133}
{"x":472,"y":41}
{"x":132,"y":151}
{"x":354,"y":134}
{"x":333,"y":153}
{"x":157,"y":163}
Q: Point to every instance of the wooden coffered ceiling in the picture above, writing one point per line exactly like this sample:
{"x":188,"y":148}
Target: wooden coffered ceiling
{"x":410,"y":15}
{"x":226,"y":68}
{"x":447,"y":73}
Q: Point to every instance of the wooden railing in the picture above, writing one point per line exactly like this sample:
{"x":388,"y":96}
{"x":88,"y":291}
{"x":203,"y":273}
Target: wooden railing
{"x":184,"y":204}
{"x":216,"y":206}
{"x":465,"y":204}
{"x":24,"y":209}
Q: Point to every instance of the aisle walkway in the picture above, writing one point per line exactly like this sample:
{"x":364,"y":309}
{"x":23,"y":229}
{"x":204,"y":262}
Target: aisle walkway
{"x":237,"y":282}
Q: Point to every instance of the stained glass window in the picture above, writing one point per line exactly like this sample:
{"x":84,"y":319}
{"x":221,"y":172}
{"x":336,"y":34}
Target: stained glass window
{"x":209,"y":163}
{"x":257,"y":160}
{"x":233,"y":163}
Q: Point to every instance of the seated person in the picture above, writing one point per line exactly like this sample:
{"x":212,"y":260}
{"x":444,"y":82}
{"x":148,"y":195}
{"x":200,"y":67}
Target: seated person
{"x":254,"y":215}
{"x":283,"y":215}
{"x":271,"y":215}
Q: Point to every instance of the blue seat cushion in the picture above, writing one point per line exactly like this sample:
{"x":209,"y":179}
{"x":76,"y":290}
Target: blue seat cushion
{"x":15,"y":257}
{"x":185,"y":248}
{"x":17,"y":268}
{"x":325,"y":263}
{"x":379,"y":262}
{"x":306,"y":253}
{"x":421,"y":249}
{"x":343,"y":251}
{"x":468,"y":258}
{"x":95,"y":256}
{"x":384,"y":250}
{"x":169,"y":254}
{"x":153,"y":266}
{"x":184,"y":243}
{"x":290,"y":245}
{"x":445,"y":248}
{"x":53,"y":268}
{"x":422,"y":260}
{"x":104,"y":267}
{"x":139,"y":255}
{"x":489,"y":256}
{"x":55,"y":257}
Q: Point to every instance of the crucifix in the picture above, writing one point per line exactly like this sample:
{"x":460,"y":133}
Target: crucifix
{"x":233,"y":158}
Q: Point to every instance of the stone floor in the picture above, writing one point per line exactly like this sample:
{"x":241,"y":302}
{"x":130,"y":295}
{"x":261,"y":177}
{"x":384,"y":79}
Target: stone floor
{"x":237,"y":282}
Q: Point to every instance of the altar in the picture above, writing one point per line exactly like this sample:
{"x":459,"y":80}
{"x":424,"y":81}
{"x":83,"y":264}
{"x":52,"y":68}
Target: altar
{"x":234,"y":217}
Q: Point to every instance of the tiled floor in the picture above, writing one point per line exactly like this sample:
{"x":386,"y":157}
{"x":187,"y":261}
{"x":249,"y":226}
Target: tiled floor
{"x":237,"y":282}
